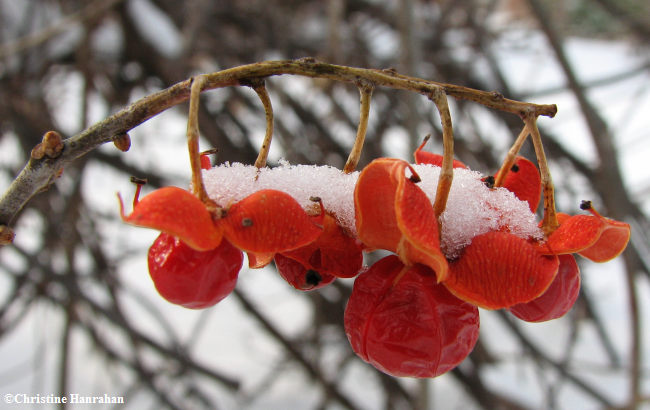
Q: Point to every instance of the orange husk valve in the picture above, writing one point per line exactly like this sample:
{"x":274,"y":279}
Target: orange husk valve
{"x":260,"y":259}
{"x":335,"y":252}
{"x":269,"y":221}
{"x":612,"y":241}
{"x":498,"y":270}
{"x":179,"y":213}
{"x":374,"y":204}
{"x":425,"y":157}
{"x":524,"y":181}
{"x":594,"y":237}
{"x":393,"y":213}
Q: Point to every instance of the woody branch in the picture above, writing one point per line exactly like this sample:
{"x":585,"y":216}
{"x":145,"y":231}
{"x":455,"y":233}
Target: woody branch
{"x":39,"y":173}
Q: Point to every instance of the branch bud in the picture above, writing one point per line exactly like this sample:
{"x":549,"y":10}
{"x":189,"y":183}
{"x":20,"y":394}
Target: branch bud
{"x":122,"y":142}
{"x":50,"y":147}
{"x":7,"y":235}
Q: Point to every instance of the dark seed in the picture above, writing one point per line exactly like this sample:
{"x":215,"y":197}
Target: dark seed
{"x":220,"y":213}
{"x":246,"y":222}
{"x":585,"y":205}
{"x":312,"y":277}
{"x":489,"y":181}
{"x":515,"y":168}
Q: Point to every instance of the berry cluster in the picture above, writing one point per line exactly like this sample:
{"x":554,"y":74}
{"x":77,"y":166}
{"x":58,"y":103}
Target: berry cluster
{"x":413,"y":313}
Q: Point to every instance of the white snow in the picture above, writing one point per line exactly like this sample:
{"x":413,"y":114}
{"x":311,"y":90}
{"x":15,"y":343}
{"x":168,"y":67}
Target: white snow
{"x":229,"y":183}
{"x":472,"y":208}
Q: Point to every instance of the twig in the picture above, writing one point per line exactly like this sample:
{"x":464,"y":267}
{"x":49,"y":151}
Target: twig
{"x":447,"y":171}
{"x":511,"y":156}
{"x":193,"y":139}
{"x":260,"y":89}
{"x":549,"y":223}
{"x":365,"y":90}
{"x":38,"y":173}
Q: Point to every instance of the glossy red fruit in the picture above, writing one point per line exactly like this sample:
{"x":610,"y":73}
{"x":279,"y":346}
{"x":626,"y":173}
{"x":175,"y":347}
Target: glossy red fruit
{"x":425,"y":157}
{"x":299,"y":276}
{"x":205,"y":161}
{"x":335,"y":252}
{"x":524,"y":181}
{"x":558,"y":298}
{"x":190,"y":278}
{"x":404,"y":324}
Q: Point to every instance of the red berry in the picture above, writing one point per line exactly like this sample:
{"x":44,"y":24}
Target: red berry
{"x":190,"y":278}
{"x":403,"y":323}
{"x":205,"y":161}
{"x":299,"y":276}
{"x":524,"y":181}
{"x":334,"y":252}
{"x":424,"y":157}
{"x":558,"y":299}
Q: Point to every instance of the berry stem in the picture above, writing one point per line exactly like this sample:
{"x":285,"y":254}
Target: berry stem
{"x":37,"y":175}
{"x":588,"y":206}
{"x":509,"y":160}
{"x":139,"y":182}
{"x":193,"y":141}
{"x":365,"y":91}
{"x":447,"y":172}
{"x":424,"y":142}
{"x":549,"y":223}
{"x":205,"y":157}
{"x":263,"y":94}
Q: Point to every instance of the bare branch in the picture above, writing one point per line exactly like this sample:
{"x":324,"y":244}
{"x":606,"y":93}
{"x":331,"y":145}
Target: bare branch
{"x":38,"y":173}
